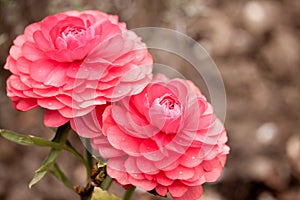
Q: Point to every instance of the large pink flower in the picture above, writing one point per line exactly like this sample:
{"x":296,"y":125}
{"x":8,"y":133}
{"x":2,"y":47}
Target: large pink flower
{"x":72,"y":61}
{"x":166,"y":138}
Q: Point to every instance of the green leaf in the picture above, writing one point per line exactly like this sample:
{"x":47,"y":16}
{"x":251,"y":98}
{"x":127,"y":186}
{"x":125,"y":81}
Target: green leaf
{"x":37,"y":141}
{"x":61,"y":176}
{"x":42,"y":171}
{"x":61,"y":138}
{"x":100,"y":194}
{"x":14,"y":137}
{"x":29,"y":140}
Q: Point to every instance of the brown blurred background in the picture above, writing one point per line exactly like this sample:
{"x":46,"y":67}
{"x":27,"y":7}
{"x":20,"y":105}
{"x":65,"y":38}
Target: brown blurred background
{"x":256,"y":47}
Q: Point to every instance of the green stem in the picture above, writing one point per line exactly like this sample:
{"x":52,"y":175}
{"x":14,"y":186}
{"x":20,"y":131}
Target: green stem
{"x":62,"y":134}
{"x":68,"y":147}
{"x":128,"y":193}
{"x":89,"y":161}
{"x":106,"y":183}
{"x":57,"y":172}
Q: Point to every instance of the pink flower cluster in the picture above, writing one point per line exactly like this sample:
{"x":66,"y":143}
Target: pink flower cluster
{"x":165,"y":138}
{"x":85,"y":67}
{"x":70,"y":62}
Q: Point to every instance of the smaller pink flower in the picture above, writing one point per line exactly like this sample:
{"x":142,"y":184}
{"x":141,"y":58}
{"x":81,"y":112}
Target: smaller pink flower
{"x":165,"y":138}
{"x":70,"y":62}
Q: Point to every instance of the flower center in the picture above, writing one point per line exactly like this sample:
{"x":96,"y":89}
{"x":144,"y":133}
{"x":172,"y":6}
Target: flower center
{"x":170,"y":106}
{"x":168,"y":102}
{"x":71,"y":37}
{"x":72,"y":31}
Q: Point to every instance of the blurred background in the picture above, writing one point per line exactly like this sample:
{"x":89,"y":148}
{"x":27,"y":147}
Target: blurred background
{"x":256,"y":47}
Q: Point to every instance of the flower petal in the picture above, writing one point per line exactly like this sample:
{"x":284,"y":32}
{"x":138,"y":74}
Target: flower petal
{"x":53,"y":118}
{"x":31,"y":52}
{"x":39,"y":70}
{"x":50,"y":103}
{"x":25,"y":104}
{"x":177,"y":189}
{"x":144,"y":184}
{"x":180,"y":172}
{"x":191,"y":193}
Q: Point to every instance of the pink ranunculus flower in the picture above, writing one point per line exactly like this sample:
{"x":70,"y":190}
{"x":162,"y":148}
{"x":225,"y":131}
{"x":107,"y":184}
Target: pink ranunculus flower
{"x":165,"y":138}
{"x":70,"y":62}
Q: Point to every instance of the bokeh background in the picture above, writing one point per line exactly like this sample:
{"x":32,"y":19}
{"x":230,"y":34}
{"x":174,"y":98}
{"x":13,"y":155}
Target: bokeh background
{"x":256,"y":47}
